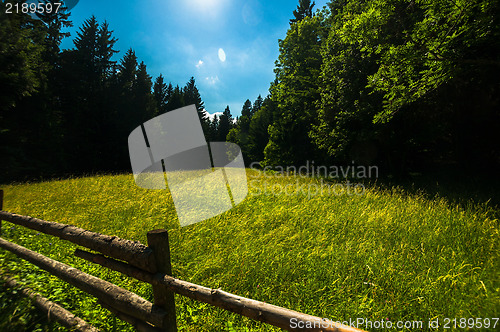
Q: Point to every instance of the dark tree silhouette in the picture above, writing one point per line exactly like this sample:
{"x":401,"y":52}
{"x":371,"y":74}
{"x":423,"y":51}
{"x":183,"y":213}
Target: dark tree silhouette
{"x":304,"y":9}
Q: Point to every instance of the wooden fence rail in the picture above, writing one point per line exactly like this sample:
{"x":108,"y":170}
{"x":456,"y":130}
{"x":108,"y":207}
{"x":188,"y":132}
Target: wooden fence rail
{"x":52,"y":309}
{"x":135,"y":253}
{"x":150,"y":264}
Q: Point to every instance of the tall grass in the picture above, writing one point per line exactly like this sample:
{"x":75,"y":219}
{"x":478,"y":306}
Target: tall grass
{"x":383,"y":255}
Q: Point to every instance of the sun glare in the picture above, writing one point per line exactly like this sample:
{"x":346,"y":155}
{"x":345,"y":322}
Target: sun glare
{"x":211,"y":6}
{"x":222,"y":55}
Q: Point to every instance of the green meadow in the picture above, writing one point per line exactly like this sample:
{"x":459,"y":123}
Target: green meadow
{"x":383,"y":254}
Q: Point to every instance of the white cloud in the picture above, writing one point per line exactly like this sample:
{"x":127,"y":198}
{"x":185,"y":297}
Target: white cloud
{"x":212,"y":116}
{"x":212,"y":80}
{"x":199,"y":64}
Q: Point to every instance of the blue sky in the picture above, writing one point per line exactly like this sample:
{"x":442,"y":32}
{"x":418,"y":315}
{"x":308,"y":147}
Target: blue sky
{"x":180,"y":39}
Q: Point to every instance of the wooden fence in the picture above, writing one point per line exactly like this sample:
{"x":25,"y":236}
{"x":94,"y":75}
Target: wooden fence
{"x":150,"y":264}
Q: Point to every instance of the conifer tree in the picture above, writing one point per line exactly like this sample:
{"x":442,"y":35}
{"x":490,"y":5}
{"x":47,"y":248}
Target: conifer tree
{"x":257,"y":105}
{"x":127,"y":71}
{"x":143,"y":99}
{"x":304,"y":9}
{"x":214,"y":129}
{"x":225,"y":124}
{"x":88,"y":112}
{"x":176,"y":99}
{"x":160,"y":93}
{"x":192,"y":96}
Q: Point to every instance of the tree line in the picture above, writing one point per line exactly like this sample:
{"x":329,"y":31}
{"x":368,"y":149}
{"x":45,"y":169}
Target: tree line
{"x":66,"y":112}
{"x":405,"y":85}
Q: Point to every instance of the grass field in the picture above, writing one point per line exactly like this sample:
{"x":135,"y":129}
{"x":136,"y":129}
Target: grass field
{"x":384,"y":255}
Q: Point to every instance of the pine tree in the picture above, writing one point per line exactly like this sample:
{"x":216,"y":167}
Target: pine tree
{"x":89,"y":109}
{"x":239,"y":133}
{"x":214,"y":129}
{"x":105,"y":51}
{"x":257,"y":105}
{"x":296,"y":91}
{"x":86,"y":52}
{"x":176,"y":99}
{"x":192,"y":96}
{"x":225,"y":124}
{"x":143,"y":98}
{"x":304,"y":9}
{"x":170,"y":91}
{"x":259,"y":129}
{"x":247,"y":108}
{"x":160,"y":93}
{"x":127,"y":71}
{"x":54,"y":22}
{"x":126,"y":81}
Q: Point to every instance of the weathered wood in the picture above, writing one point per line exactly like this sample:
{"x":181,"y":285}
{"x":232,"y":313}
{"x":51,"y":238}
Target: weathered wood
{"x":261,"y":311}
{"x":158,"y":242}
{"x":135,"y":253}
{"x":115,"y":265}
{"x":139,"y":325}
{"x":121,"y":299}
{"x":53,"y":310}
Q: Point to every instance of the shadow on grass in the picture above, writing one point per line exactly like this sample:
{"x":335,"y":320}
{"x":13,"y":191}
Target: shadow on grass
{"x":457,"y":187}
{"x":18,"y":314}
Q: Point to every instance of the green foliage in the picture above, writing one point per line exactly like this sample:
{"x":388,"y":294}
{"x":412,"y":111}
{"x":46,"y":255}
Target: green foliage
{"x":259,"y":129}
{"x":161,"y":94}
{"x":295,"y":92}
{"x":20,"y":56}
{"x":304,"y":9}
{"x":89,"y":100}
{"x":54,"y":22}
{"x":128,"y":71}
{"x":398,"y":76}
{"x":176,"y":99}
{"x":240,"y":133}
{"x":347,"y":106}
{"x":23,"y":73}
{"x":214,"y":129}
{"x":143,"y":98}
{"x":94,"y":48}
{"x":192,"y":96}
{"x":225,"y":125}
{"x":439,"y":41}
{"x":257,"y":105}
{"x":405,"y":85}
{"x":386,"y":254}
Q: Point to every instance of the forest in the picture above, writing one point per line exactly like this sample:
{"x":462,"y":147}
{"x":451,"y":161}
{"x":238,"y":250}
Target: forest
{"x":408,"y":85}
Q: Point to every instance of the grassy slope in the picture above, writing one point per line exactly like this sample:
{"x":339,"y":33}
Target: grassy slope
{"x":383,"y":255}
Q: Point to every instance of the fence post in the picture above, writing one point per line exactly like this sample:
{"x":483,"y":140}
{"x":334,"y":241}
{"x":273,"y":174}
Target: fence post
{"x":158,"y":242}
{"x":1,"y":208}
